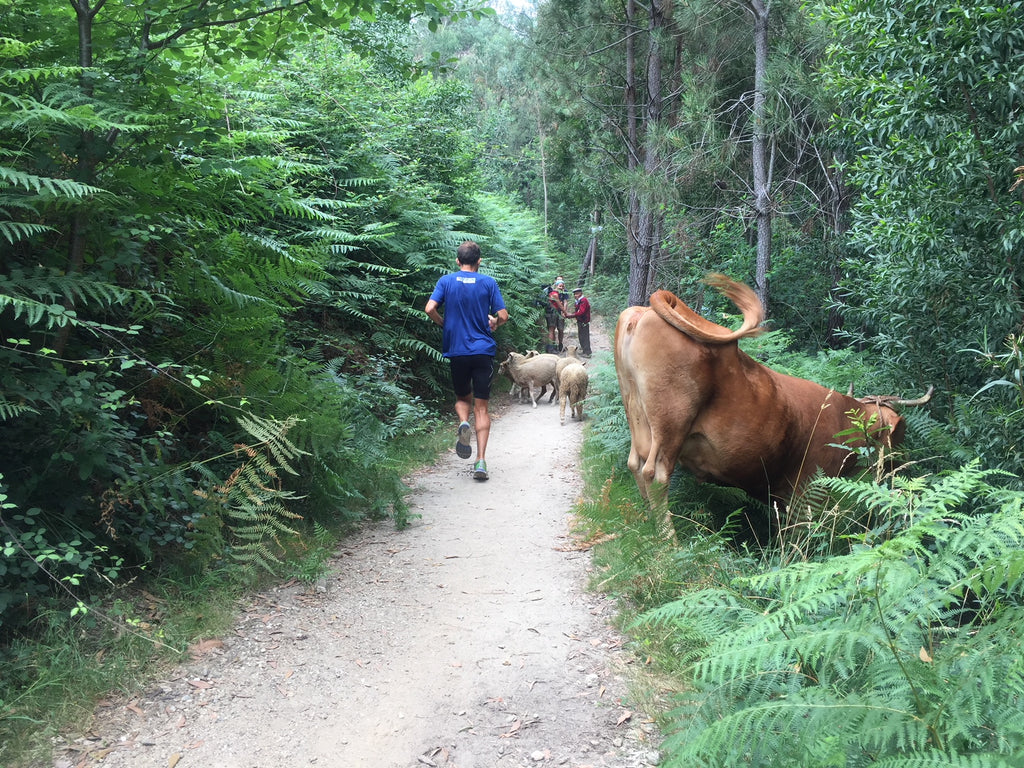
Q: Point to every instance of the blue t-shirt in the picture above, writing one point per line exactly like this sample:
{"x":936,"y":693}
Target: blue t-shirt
{"x":468,"y":297}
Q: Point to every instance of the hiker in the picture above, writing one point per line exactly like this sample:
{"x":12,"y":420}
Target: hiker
{"x":582,"y":314}
{"x":555,"y":315}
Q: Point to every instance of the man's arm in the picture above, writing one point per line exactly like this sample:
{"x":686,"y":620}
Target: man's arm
{"x":433,"y":314}
{"x":498,"y":319}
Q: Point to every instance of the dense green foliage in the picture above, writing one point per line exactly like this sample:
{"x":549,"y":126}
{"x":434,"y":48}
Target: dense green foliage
{"x":931,"y":116}
{"x":212,"y":283}
{"x":905,"y":649}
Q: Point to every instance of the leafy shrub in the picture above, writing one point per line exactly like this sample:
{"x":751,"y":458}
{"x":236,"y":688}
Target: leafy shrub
{"x":904,"y":652}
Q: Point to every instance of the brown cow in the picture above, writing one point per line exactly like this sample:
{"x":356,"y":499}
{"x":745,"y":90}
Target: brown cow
{"x":692,"y":396}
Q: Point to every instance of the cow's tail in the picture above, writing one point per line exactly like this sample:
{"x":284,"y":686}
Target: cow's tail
{"x":676,"y":313}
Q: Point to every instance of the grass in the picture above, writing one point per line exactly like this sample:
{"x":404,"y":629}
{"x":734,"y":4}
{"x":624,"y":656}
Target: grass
{"x":51,"y":680}
{"x":637,"y":566}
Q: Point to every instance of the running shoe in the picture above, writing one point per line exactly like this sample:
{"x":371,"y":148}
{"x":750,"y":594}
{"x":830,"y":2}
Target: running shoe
{"x":462,"y":443}
{"x":480,"y":470}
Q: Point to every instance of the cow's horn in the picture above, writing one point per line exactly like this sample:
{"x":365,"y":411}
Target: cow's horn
{"x":919,"y":401}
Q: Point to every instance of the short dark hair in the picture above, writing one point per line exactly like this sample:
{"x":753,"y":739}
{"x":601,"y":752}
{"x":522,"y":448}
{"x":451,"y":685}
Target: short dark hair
{"x":468,"y":253}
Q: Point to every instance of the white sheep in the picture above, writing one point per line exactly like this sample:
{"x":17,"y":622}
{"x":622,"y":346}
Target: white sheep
{"x":516,"y":389}
{"x":572,"y":387}
{"x":531,"y":372}
{"x":571,"y":356}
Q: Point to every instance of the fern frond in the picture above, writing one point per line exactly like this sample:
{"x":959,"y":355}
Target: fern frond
{"x":47,"y":184}
{"x":942,"y":760}
{"x":9,"y":410}
{"x":13,"y":231}
{"x":251,"y":501}
{"x":869,"y":647}
{"x":272,"y":435}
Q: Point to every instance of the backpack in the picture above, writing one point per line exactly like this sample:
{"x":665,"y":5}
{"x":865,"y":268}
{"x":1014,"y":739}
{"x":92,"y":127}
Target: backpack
{"x":542,"y":297}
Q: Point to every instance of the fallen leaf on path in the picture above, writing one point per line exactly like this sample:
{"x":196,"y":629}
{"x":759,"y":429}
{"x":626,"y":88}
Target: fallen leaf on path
{"x":204,"y":646}
{"x":512,"y":731}
{"x":626,"y":714}
{"x":173,"y":760}
{"x":200,"y":684}
{"x":135,"y":709}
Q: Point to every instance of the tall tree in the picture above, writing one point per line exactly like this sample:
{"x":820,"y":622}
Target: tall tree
{"x":761,"y":168}
{"x":692,"y":126}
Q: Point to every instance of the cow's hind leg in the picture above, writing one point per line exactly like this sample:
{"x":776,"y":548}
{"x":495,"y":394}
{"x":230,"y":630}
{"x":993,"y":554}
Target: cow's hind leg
{"x":657,"y":473}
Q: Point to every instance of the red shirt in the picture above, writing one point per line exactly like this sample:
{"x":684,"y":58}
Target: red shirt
{"x":555,"y":301}
{"x":582,"y":313}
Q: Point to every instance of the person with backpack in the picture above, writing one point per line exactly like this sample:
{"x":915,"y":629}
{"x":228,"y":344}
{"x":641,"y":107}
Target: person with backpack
{"x":554,"y":315}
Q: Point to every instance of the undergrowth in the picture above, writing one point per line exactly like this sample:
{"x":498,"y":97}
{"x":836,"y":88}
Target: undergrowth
{"x":903,"y":652}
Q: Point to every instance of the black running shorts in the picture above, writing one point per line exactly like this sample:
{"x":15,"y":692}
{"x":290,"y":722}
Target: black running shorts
{"x":472,"y":374}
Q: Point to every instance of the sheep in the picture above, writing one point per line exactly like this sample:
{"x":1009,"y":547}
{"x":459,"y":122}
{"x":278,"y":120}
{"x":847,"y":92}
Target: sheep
{"x":571,"y":356}
{"x":530,"y":372}
{"x":516,"y":389}
{"x":572,"y":386}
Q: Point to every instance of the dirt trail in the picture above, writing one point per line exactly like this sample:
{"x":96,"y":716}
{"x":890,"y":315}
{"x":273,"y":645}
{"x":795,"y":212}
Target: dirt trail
{"x":467,"y":640}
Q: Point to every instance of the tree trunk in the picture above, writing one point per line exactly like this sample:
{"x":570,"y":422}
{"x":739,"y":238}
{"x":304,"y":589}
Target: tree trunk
{"x":590,"y":258}
{"x":761,"y":167}
{"x":645,"y":217}
{"x":637,"y":256}
{"x":653,"y":216}
{"x":543,"y":170}
{"x":85,"y":164}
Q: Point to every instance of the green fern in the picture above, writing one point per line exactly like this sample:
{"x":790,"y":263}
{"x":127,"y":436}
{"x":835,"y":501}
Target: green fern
{"x":46,"y":185}
{"x":9,"y":410}
{"x":251,"y":501}
{"x":38,"y":296}
{"x":869,"y":656}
